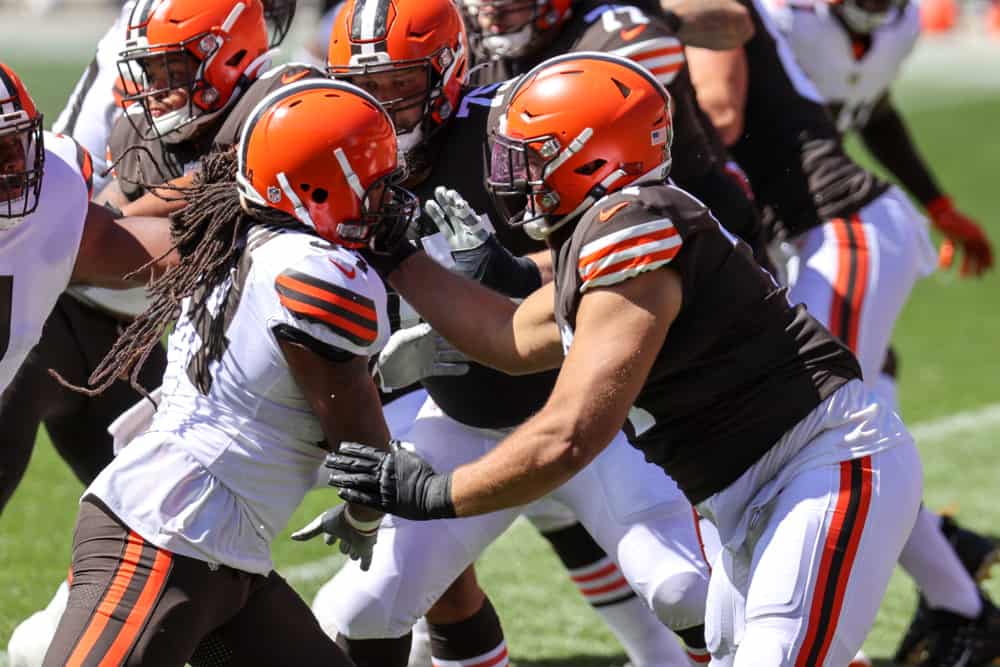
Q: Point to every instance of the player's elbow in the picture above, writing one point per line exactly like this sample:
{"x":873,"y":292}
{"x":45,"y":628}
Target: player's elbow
{"x":572,"y":440}
{"x":728,"y":121}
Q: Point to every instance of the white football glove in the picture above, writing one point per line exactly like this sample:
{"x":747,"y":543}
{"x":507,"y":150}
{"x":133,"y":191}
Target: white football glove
{"x":463,"y":228}
{"x":416,"y":353}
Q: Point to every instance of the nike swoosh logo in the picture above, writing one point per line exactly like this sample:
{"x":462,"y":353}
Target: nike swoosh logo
{"x":292,"y":77}
{"x":606,"y":214}
{"x":628,"y":34}
{"x":350,"y":272}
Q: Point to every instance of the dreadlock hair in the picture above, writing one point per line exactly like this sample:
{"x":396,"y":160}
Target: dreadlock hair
{"x":209,"y":233}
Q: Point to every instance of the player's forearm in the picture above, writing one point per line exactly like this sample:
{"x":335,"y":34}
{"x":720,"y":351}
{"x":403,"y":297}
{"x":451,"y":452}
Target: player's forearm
{"x":476,"y":320}
{"x":889,"y":142}
{"x":533,"y":461}
{"x":720,"y":81}
{"x":710,"y":24}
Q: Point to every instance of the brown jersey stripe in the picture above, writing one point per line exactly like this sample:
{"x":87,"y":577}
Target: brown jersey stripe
{"x":109,"y":602}
{"x":154,"y":581}
{"x":335,"y":294}
{"x":340,"y":326}
{"x":329,"y":308}
{"x":839,"y":550}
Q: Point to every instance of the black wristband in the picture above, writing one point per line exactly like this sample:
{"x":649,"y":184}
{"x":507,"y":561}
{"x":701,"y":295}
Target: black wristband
{"x":437,"y":499}
{"x":498,"y":269}
{"x":673,"y":20}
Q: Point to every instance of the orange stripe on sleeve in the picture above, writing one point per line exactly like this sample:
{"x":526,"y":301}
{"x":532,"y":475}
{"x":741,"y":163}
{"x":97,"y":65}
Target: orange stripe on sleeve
{"x":633,"y":263}
{"x":327,"y":296}
{"x":657,"y":53}
{"x":625,"y":244}
{"x":366,"y":334}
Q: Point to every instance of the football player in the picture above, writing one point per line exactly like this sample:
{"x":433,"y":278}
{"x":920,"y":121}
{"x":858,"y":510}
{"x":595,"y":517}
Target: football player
{"x":852,"y":51}
{"x":268,"y":371}
{"x":50,"y":233}
{"x":513,"y":37}
{"x":860,"y":245}
{"x":416,"y":64}
{"x":660,"y":319}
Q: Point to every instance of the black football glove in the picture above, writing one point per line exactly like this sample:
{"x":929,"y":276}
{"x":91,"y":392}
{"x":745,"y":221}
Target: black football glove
{"x":357,"y":540}
{"x":396,"y":482}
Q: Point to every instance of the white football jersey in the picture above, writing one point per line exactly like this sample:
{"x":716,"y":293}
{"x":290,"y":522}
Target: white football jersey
{"x":823,"y":48}
{"x":37,"y":256}
{"x":91,"y":109}
{"x":222,"y":467}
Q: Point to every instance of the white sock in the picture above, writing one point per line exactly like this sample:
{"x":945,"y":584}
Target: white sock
{"x":647,"y":642}
{"x":420,"y":646}
{"x":31,"y":638}
{"x":936,"y":569}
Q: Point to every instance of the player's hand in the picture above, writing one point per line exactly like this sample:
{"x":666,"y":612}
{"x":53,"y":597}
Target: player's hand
{"x":711,"y":24}
{"x":396,"y":482}
{"x":357,"y":538}
{"x":477,"y":252}
{"x":415,"y":353}
{"x":962,"y":231}
{"x":462,"y":227}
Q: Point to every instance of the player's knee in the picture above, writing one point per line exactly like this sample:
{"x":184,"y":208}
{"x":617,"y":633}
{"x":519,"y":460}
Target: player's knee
{"x":679,"y":599}
{"x":461,"y":601}
{"x":31,"y":640}
{"x":344,"y":610}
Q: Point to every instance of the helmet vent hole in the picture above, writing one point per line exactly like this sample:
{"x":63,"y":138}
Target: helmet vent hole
{"x":294,"y":104}
{"x":590,"y":167}
{"x":319,"y":195}
{"x":304,"y":187}
{"x":236,"y":58}
{"x":622,"y":88}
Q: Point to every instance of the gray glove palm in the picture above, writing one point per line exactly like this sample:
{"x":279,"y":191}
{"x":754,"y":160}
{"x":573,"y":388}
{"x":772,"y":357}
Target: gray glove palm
{"x":415,"y":353}
{"x":334,"y":525}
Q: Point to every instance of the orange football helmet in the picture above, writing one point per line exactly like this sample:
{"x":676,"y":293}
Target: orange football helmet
{"x":188,"y":60}
{"x":22,"y":152}
{"x":410,"y":54}
{"x":511,"y":28}
{"x":574,"y":129}
{"x":338,"y":177}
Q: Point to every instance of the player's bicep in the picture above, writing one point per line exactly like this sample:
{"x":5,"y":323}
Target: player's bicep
{"x":339,"y":390}
{"x":620,"y":330}
{"x":536,"y":333}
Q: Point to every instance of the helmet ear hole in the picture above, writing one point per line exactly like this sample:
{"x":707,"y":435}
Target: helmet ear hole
{"x":235,"y":59}
{"x":590,"y":167}
{"x":319,"y":195}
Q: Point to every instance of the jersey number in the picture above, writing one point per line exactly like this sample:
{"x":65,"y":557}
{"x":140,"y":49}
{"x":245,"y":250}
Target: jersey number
{"x":6,"y":306}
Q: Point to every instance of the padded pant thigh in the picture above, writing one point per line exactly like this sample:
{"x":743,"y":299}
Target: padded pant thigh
{"x":817,"y":563}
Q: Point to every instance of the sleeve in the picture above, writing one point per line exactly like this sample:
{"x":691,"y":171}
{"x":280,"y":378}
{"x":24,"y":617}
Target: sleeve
{"x":74,"y":154}
{"x":619,"y":243}
{"x":269,"y":81}
{"x":627,"y":31}
{"x":886,"y":136}
{"x":329,"y":303}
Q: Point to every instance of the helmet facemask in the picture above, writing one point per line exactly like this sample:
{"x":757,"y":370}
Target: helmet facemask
{"x":411,"y":91}
{"x":509,"y":28}
{"x":387,"y":210}
{"x":22,"y":157}
{"x":171,"y":92}
{"x":278,"y":14}
{"x":866,"y":16}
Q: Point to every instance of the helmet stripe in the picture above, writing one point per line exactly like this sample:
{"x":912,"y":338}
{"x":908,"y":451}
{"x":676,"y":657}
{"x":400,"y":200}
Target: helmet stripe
{"x":370,"y":20}
{"x":10,"y":100}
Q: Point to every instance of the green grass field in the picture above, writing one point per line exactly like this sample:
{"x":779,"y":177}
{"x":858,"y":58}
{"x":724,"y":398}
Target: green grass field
{"x":948,"y":340}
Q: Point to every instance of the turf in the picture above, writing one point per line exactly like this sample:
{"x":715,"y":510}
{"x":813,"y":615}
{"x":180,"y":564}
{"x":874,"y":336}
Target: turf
{"x":947,"y":339}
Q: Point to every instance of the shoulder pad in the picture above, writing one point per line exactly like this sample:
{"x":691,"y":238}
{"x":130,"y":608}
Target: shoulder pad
{"x":328,"y":292}
{"x":622,"y":236}
{"x":74,"y":154}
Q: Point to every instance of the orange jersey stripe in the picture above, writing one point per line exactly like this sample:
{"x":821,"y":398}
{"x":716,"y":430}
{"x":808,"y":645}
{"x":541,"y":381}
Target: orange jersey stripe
{"x":141,"y":611}
{"x":665,"y":69}
{"x":329,"y":297}
{"x":632,"y":263}
{"x":112,"y":596}
{"x":364,"y":333}
{"x":625,"y":244}
{"x":861,"y":280}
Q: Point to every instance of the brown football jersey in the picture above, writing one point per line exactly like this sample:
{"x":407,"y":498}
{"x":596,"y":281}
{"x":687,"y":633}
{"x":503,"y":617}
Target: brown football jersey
{"x":740,"y":365}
